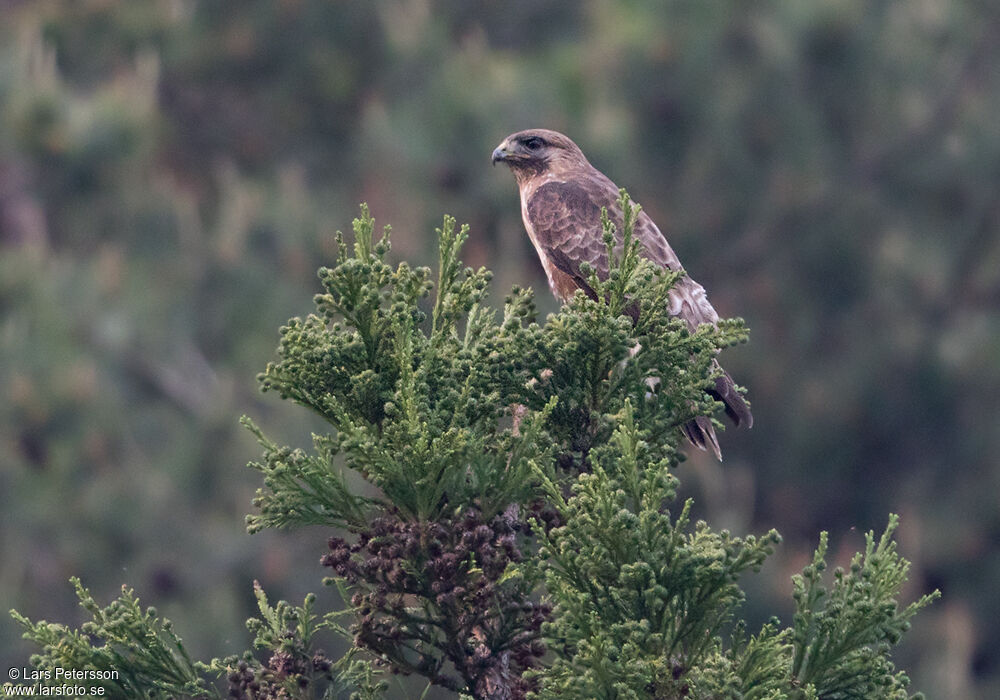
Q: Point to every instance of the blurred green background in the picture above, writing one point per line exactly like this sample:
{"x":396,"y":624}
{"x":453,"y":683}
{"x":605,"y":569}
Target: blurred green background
{"x":171,"y":172}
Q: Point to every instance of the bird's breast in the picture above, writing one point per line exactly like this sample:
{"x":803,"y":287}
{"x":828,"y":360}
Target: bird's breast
{"x":562,"y":285}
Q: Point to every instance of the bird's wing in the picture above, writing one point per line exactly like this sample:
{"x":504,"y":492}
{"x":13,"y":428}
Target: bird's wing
{"x":565,"y":219}
{"x":688,"y":299}
{"x":689,"y":302}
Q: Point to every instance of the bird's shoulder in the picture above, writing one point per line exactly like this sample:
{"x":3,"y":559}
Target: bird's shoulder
{"x":579,"y":194}
{"x":565,"y":221}
{"x":568,"y":211}
{"x":570,"y":207}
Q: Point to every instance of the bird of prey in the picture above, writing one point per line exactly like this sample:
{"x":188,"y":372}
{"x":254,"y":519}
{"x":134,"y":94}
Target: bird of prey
{"x":561,"y":199}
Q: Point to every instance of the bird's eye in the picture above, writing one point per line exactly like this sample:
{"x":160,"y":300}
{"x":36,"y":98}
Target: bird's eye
{"x":533,"y":144}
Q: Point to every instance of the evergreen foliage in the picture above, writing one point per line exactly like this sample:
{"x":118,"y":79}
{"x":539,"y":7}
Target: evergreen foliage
{"x":135,"y":653}
{"x":841,"y":635}
{"x":166,"y":169}
{"x":416,"y":409}
{"x":295,"y":669}
{"x":501,"y":491}
{"x":641,"y":597}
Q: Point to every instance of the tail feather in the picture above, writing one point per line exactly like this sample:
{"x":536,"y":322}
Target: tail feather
{"x":700,"y":432}
{"x":737,"y":407}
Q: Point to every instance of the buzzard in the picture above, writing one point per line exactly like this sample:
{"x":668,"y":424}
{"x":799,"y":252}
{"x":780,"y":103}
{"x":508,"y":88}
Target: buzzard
{"x":561,"y":199}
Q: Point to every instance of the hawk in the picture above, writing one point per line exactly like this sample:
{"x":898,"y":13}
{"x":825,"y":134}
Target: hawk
{"x":561,"y":199}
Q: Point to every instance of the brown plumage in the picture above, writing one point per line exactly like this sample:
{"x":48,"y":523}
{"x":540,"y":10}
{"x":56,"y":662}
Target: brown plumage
{"x":561,"y":199}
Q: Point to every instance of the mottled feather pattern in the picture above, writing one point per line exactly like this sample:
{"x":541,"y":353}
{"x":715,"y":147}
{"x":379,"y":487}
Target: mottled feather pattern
{"x":565,"y":217}
{"x":562,"y":214}
{"x":562,"y":195}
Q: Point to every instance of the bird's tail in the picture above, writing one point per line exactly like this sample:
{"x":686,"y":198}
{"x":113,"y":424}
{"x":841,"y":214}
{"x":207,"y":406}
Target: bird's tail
{"x":700,"y":432}
{"x":737,"y":407}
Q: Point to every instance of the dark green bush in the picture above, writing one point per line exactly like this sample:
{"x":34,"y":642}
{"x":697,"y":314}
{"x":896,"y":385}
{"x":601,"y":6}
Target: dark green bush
{"x":500,"y":496}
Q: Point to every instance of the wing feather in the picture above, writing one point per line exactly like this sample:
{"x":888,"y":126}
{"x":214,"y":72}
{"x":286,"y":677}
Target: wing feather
{"x":566,"y":222}
{"x":563,"y":218}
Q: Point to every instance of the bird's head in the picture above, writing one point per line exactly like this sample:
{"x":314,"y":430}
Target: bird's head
{"x":537,"y":151}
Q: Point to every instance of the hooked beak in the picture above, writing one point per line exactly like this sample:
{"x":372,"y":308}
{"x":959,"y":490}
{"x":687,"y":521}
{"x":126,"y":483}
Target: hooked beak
{"x":499,"y":154}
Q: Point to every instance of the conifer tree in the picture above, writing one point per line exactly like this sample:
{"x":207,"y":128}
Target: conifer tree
{"x":500,"y":495}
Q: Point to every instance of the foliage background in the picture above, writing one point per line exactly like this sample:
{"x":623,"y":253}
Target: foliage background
{"x":171,"y":172}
